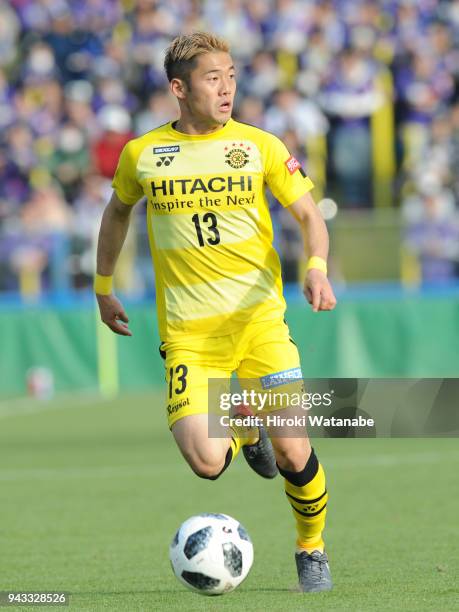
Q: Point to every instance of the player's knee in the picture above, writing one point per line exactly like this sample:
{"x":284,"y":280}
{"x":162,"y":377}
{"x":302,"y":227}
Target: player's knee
{"x":208,"y":471}
{"x":292,"y":459}
{"x":205,"y":466}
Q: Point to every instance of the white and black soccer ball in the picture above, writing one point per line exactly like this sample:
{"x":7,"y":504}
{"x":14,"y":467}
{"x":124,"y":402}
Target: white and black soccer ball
{"x":211,"y":553}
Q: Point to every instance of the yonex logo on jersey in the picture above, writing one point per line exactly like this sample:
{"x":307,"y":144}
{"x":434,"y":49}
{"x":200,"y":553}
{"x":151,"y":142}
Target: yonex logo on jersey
{"x":171,"y":149}
{"x":281,"y":378}
{"x":165,"y":161}
{"x":292,"y":164}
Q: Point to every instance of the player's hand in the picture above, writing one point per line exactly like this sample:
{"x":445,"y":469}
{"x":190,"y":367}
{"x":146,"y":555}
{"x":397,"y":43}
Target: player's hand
{"x":318,"y":291}
{"x":113,"y":314}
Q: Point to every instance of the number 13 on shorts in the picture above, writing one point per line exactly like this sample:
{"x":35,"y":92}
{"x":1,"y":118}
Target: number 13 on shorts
{"x":177,"y":380}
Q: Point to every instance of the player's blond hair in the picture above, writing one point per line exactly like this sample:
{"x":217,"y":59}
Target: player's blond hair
{"x":182,"y":53}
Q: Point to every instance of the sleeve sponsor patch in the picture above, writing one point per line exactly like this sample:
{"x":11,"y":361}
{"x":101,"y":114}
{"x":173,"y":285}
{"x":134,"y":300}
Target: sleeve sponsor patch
{"x":292,"y":164}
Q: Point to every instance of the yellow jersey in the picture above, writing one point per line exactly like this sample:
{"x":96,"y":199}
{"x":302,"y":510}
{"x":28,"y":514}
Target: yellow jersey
{"x":209,"y":224}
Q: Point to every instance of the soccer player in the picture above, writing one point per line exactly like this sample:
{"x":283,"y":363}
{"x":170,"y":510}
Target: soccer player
{"x":218,"y":280}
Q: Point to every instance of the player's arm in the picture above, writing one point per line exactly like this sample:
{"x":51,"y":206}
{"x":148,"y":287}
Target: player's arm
{"x":113,"y":230}
{"x":317,"y":288}
{"x":291,"y":187}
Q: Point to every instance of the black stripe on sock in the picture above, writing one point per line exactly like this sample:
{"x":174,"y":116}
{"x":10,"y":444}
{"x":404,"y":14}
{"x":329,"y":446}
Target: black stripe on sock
{"x":306,"y":501}
{"x":309,"y":513}
{"x":299,"y":479}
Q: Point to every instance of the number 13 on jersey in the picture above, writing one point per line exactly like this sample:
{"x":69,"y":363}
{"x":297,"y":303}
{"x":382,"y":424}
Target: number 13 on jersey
{"x":208,"y":223}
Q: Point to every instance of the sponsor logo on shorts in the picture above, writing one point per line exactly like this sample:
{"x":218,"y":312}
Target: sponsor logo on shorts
{"x":281,"y":378}
{"x":292,"y":164}
{"x":176,"y":406}
{"x":161,"y":150}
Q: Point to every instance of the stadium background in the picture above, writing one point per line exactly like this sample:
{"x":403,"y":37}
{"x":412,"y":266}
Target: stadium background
{"x":366,"y":94}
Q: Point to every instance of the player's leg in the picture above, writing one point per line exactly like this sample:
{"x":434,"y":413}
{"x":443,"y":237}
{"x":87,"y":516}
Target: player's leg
{"x":306,"y":492}
{"x":208,"y":457}
{"x":271,"y":352}
{"x":187,"y":378}
{"x":305,"y":488}
{"x":258,"y":452}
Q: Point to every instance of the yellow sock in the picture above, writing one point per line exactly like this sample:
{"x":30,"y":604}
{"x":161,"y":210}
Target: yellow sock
{"x":235,"y":445}
{"x":237,"y":441}
{"x":242,"y":436}
{"x":308,"y":501}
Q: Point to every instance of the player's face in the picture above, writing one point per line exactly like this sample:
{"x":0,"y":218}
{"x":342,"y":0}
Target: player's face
{"x":210,"y":96}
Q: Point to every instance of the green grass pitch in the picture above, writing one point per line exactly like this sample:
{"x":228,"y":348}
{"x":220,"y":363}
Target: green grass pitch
{"x":92,"y":492}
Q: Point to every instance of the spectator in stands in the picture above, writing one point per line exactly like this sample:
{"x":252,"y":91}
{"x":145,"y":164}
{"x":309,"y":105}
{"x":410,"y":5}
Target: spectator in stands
{"x":9,"y":34}
{"x":88,"y":209}
{"x":78,"y":96}
{"x":14,"y":189}
{"x":251,"y":110}
{"x":70,"y":160}
{"x":161,"y":109}
{"x":46,"y":212}
{"x":349,"y":97}
{"x":291,"y":112}
{"x":263,"y":76}
{"x":432,"y":231}
{"x":76,"y":75}
{"x":116,"y":125}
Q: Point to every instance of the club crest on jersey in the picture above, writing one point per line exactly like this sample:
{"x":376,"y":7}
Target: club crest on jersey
{"x":292,"y":164}
{"x":237,"y":157}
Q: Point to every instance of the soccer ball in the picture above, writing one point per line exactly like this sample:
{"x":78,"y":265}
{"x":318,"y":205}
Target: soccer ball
{"x":211,"y":553}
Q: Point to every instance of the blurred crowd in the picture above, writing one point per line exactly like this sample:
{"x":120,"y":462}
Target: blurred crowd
{"x":79,"y":78}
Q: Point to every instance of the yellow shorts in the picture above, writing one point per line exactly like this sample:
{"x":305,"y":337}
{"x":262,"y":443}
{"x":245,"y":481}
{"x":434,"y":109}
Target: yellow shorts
{"x":260,"y":351}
